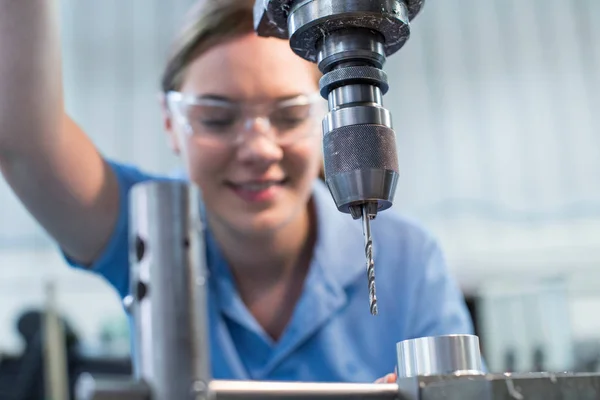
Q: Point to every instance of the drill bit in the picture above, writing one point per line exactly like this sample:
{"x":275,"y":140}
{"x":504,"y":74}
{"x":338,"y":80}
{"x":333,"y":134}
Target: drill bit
{"x":366,"y":220}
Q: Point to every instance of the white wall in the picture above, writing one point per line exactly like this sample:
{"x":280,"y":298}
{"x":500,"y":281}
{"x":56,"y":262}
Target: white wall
{"x":495,"y":108}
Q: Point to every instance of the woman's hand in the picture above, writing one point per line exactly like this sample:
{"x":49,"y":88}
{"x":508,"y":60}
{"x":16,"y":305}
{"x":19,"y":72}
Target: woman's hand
{"x":389,"y":378}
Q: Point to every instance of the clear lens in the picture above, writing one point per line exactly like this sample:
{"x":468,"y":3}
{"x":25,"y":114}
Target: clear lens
{"x":291,"y":117}
{"x":227,"y":122}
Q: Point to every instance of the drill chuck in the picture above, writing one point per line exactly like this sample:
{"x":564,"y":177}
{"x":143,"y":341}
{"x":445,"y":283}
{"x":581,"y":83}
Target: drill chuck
{"x":359,"y":144}
{"x":349,"y":40}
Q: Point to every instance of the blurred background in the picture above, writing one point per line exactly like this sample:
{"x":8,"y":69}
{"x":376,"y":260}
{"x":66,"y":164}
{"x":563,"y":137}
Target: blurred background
{"x":496,"y":106}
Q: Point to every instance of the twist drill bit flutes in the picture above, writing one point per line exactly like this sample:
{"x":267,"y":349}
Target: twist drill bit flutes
{"x":366,"y":220}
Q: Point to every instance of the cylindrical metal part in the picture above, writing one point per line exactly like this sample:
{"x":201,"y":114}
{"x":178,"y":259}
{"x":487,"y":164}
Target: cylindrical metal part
{"x":114,"y":388}
{"x":271,"y":19}
{"x":55,"y":351}
{"x":168,"y":279}
{"x":357,"y":46}
{"x":247,"y":390}
{"x":352,"y":94}
{"x":361,"y":165}
{"x":311,"y":21}
{"x":439,"y":355}
{"x":357,"y":115}
{"x":353,"y":75}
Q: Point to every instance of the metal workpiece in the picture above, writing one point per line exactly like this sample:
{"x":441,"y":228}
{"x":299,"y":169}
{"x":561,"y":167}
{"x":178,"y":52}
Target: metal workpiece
{"x":524,"y":386}
{"x":439,"y":355}
{"x":168,"y":279}
{"x":450,"y":368}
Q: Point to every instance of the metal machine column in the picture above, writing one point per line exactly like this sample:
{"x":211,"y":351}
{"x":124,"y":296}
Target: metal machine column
{"x":168,"y":297}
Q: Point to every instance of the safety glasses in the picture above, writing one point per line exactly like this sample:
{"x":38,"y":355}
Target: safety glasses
{"x":228,"y":122}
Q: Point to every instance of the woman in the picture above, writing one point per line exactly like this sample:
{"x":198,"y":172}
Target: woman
{"x":288,"y":293}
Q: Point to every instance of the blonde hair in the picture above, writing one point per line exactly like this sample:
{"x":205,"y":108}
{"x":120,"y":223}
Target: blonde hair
{"x":209,"y":23}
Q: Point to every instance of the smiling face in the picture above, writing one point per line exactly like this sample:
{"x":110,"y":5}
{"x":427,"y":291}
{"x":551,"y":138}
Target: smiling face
{"x":255,"y":185}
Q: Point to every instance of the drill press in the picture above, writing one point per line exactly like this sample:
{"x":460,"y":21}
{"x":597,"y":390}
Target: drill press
{"x":350,"y":41}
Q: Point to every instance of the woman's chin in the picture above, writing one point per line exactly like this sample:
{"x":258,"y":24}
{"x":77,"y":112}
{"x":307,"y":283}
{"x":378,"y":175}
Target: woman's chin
{"x":259,"y":225}
{"x":257,"y":219}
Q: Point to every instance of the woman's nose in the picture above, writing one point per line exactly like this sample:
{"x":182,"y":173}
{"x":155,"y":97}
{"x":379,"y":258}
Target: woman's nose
{"x":259,"y":142}
{"x":257,"y":124}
